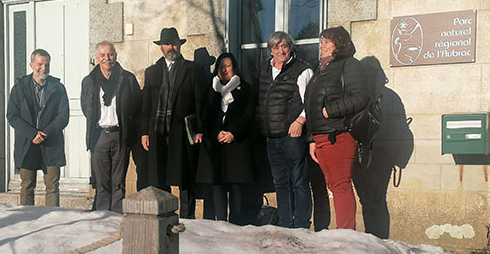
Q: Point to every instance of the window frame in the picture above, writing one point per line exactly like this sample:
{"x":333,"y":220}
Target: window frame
{"x":282,"y":12}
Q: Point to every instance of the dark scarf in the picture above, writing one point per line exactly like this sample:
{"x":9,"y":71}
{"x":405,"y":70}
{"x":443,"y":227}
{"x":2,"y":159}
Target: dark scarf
{"x":164,"y":108}
{"x":107,"y":85}
{"x":324,"y":61}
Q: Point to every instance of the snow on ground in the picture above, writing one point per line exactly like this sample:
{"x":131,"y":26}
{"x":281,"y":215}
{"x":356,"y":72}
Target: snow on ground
{"x":28,"y":229}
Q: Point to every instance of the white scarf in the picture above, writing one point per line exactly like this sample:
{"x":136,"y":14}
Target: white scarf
{"x":225,"y":91}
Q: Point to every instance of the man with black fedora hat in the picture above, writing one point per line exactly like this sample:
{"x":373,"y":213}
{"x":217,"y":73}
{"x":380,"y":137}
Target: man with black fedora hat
{"x":174,"y":89}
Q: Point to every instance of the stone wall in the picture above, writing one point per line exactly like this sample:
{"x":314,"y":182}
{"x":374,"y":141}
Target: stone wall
{"x":201,"y":22}
{"x":437,"y":202}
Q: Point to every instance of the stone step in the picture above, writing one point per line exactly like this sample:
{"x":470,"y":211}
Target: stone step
{"x":69,"y":200}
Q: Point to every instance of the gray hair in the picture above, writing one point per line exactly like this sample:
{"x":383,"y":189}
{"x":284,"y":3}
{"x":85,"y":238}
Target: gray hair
{"x":106,"y":43}
{"x":276,"y":37}
{"x":40,"y":52}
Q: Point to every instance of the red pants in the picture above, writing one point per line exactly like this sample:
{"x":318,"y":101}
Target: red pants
{"x":336,"y":162}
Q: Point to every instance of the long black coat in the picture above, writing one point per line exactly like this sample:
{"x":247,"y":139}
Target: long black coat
{"x":128,"y":96}
{"x":233,"y":162}
{"x":53,"y":119}
{"x":176,"y":163}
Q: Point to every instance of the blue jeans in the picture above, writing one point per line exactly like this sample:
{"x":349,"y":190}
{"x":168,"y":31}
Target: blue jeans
{"x":287,"y":157}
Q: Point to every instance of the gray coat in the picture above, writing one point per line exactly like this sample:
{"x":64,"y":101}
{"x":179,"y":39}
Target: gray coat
{"x":53,"y":119}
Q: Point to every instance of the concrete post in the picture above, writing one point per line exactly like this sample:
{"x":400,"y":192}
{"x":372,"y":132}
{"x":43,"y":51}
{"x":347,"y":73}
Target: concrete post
{"x":150,"y":223}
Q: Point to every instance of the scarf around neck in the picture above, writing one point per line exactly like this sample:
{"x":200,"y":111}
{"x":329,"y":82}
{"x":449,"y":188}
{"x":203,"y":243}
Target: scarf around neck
{"x":108,"y":85}
{"x":225,"y":90}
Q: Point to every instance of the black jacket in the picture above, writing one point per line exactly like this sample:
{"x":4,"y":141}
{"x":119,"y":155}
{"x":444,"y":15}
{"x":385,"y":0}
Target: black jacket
{"x":325,"y":90}
{"x":52,"y":120}
{"x":128,"y":97}
{"x":279,"y":99}
{"x":233,"y":162}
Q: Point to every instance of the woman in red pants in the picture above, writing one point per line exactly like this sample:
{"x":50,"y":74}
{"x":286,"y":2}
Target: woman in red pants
{"x":335,"y":92}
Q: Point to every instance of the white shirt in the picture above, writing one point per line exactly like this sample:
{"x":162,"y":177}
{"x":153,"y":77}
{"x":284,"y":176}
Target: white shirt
{"x":302,"y":81}
{"x":108,"y":114}
{"x":169,"y":64}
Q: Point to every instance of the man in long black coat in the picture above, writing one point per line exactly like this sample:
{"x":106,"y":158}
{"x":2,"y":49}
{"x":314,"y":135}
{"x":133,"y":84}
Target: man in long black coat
{"x":38,"y":111}
{"x":173,"y":90}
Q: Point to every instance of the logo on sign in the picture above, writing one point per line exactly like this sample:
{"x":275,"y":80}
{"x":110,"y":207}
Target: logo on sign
{"x":407,"y":40}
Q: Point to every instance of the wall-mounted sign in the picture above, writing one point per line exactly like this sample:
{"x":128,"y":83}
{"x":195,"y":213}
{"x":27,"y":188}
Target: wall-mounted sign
{"x":438,"y":38}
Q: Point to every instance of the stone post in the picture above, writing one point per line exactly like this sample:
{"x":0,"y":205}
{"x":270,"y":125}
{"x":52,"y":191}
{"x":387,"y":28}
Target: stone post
{"x":150,"y":223}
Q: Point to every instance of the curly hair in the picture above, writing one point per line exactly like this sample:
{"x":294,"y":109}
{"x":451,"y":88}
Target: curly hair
{"x":341,"y":39}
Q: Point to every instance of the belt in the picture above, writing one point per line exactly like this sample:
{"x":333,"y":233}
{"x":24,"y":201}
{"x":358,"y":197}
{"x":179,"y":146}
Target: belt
{"x":109,"y":129}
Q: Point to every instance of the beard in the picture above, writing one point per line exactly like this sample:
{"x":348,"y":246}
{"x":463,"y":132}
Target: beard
{"x":171,"y":55}
{"x":42,"y":76}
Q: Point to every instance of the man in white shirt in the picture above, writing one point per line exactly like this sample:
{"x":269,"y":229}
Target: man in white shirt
{"x":281,"y":116}
{"x":109,"y":98}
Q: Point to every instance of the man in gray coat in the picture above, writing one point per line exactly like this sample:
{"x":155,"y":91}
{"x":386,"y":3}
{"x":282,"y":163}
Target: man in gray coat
{"x":38,"y":111}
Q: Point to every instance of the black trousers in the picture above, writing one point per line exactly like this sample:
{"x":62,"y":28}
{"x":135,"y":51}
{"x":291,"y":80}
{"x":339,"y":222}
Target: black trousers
{"x":321,"y":201}
{"x":110,"y":161}
{"x":224,"y":195}
{"x":371,"y":186}
{"x":187,"y":204}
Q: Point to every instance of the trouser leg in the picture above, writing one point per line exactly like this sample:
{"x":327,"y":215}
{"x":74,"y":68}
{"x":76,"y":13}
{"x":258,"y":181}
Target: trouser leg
{"x":235,"y":201}
{"x":187,"y":204}
{"x":92,"y":180}
{"x":252,"y":201}
{"x":207,"y":191}
{"x":102,"y":167}
{"x":295,"y":153}
{"x":220,"y":202}
{"x":120,"y":161}
{"x":375,"y":211}
{"x":371,"y":185}
{"x":321,"y":201}
{"x":280,"y":176}
{"x":52,"y":182}
{"x":28,"y":185}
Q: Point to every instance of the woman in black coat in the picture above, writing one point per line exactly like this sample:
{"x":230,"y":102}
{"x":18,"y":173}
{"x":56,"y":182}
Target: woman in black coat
{"x":226,"y":158}
{"x":335,"y":92}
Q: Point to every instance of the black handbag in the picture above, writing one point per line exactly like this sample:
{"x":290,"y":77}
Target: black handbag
{"x":267,"y":215}
{"x":364,"y":126}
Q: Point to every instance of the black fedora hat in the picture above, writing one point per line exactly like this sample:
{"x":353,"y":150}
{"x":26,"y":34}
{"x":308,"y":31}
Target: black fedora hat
{"x":169,"y":36}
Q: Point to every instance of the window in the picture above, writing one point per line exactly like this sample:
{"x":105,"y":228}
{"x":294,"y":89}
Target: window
{"x":304,"y":19}
{"x":257,"y":19}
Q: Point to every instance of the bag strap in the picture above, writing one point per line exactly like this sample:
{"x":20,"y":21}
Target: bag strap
{"x":360,"y":149}
{"x":396,"y":182}
{"x":266,"y":199}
